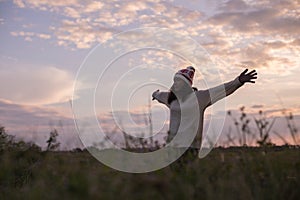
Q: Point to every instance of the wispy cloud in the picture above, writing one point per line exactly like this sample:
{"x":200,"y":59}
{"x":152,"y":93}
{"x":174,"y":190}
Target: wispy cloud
{"x":243,"y":32}
{"x":30,"y":35}
{"x":35,"y":85}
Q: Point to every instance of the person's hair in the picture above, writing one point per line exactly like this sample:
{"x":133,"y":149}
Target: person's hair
{"x":171,"y":97}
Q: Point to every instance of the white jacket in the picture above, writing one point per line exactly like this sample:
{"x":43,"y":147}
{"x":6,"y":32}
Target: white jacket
{"x":186,"y":120}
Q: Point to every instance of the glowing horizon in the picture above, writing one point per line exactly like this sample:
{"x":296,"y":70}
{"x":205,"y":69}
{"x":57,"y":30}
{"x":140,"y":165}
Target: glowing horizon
{"x":45,"y":42}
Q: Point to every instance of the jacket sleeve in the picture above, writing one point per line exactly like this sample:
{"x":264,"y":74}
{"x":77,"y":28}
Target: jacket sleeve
{"x":161,"y":97}
{"x":212,"y":95}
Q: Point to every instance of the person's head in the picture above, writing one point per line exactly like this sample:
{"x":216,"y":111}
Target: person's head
{"x":179,"y":84}
{"x":183,"y":80}
{"x":186,"y":74}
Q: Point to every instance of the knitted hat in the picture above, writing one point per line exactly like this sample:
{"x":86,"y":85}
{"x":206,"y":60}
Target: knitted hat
{"x":186,"y":74}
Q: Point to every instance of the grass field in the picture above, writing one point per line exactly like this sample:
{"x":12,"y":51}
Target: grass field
{"x":232,"y":173}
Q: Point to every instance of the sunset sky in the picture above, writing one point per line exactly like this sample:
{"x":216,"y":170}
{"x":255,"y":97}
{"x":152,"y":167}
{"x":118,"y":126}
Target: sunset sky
{"x":43,"y":44}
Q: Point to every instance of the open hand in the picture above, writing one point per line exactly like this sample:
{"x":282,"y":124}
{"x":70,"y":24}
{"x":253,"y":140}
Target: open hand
{"x":248,"y":77}
{"x":153,"y":98}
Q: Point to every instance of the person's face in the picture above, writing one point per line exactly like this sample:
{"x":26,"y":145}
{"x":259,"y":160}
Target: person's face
{"x":178,"y":84}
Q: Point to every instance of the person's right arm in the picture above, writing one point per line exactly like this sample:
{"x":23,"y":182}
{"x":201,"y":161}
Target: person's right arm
{"x":161,"y":97}
{"x":212,"y":95}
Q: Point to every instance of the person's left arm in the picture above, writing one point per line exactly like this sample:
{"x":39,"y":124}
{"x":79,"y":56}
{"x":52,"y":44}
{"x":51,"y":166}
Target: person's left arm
{"x":216,"y":93}
{"x":161,"y":97}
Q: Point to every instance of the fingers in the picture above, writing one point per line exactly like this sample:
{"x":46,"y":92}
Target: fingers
{"x":251,"y":79}
{"x":254,"y":76}
{"x":252,"y":73}
{"x":248,"y":77}
{"x":244,"y":72}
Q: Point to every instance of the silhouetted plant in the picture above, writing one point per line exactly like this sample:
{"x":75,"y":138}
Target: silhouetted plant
{"x":52,"y":142}
{"x":230,"y":138}
{"x":6,"y":141}
{"x":148,"y":121}
{"x":264,"y":127}
{"x":246,"y":134}
{"x":291,"y":126}
{"x":242,"y":127}
{"x":142,"y":143}
{"x":282,"y":138}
